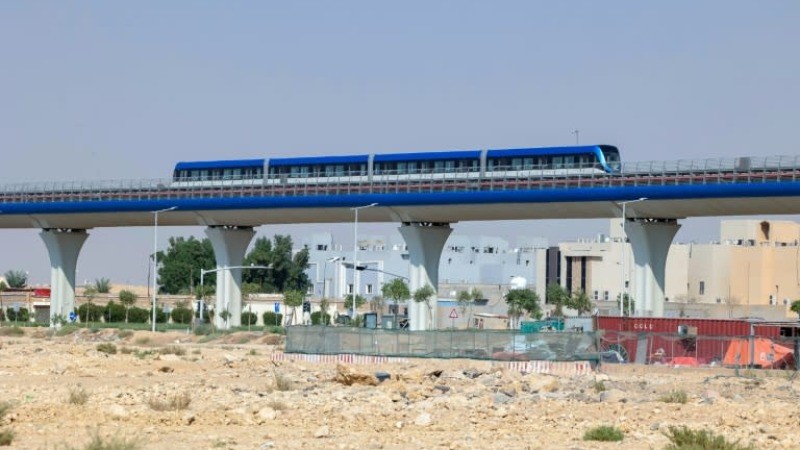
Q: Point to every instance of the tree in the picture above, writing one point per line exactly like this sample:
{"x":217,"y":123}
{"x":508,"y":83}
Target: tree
{"x":522,"y":301}
{"x":287,"y":273}
{"x":3,"y":287}
{"x":102,"y":285}
{"x":16,"y":279}
{"x":397,"y":290}
{"x":89,"y":293}
{"x":293,"y":299}
{"x":795,"y":307}
{"x":558,"y":296}
{"x":348,"y":302}
{"x":466,"y":300}
{"x":580,"y":302}
{"x":180,"y":265}
{"x":627,"y":305}
{"x":127,"y":299}
{"x":325,"y":315}
{"x":424,"y":295}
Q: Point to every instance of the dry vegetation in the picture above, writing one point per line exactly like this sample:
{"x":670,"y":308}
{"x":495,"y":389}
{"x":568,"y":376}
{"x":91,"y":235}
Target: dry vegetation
{"x":172,"y":392}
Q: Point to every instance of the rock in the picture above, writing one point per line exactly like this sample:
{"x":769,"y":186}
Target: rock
{"x":442,"y":388}
{"x":398,"y":424}
{"x":117,"y":412}
{"x":423,"y":420}
{"x":267,"y":414}
{"x":348,"y":377}
{"x":189,"y":418}
{"x":613,"y":396}
{"x":500,"y":399}
{"x":322,"y":432}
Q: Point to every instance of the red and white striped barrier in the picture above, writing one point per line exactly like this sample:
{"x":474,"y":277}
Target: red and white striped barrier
{"x":544,"y":367}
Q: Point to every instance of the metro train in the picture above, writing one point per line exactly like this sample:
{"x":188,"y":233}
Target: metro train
{"x":449,"y":165}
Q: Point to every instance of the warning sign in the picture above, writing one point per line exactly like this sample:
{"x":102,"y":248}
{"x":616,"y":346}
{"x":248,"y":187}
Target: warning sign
{"x":453,"y":314}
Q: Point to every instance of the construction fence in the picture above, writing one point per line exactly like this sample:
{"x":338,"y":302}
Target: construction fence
{"x":477,"y":344}
{"x":765,"y":352}
{"x":514,"y":345}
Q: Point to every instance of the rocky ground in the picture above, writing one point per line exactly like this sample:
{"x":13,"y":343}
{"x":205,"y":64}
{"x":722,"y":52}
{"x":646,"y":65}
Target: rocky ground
{"x":179,"y":391}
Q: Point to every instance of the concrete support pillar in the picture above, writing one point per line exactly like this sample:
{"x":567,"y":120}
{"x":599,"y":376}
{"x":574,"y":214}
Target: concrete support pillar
{"x":64,"y":246}
{"x":650,"y":241}
{"x":425,"y":242}
{"x":230,"y":245}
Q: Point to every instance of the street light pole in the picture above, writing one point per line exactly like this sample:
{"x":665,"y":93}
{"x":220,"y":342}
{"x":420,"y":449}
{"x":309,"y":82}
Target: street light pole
{"x":623,"y":288}
{"x":355,"y":255}
{"x":155,"y":260}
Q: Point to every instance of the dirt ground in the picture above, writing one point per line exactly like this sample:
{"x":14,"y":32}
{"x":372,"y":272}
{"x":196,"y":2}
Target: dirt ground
{"x":175,"y":391}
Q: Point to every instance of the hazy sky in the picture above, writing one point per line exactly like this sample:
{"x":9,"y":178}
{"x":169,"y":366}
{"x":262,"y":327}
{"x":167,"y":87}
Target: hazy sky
{"x":110,"y":90}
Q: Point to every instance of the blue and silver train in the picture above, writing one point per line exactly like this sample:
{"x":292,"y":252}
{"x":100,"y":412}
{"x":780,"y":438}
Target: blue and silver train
{"x":463,"y":164}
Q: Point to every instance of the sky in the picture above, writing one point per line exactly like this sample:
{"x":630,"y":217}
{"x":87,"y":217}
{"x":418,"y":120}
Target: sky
{"x":124,"y":90}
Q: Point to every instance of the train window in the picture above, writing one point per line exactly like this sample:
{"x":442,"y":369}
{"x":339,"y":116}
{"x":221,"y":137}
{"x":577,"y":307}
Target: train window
{"x":516,"y":163}
{"x":401,"y":168}
{"x":558,"y":162}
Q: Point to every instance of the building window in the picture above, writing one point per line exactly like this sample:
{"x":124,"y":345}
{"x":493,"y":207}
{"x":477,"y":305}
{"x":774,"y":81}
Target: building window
{"x":605,"y":296}
{"x":702,"y":288}
{"x":596,"y":295}
{"x":369,"y":289}
{"x":349,"y":288}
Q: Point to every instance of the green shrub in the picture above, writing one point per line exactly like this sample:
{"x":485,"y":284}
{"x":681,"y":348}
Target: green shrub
{"x":675,"y":397}
{"x":203,"y":330}
{"x":114,"y":312}
{"x":599,"y":386}
{"x":181,"y":315}
{"x":272,"y":319}
{"x":107,"y":348}
{"x":249,"y":318}
{"x":138,"y":315}
{"x":11,"y":331}
{"x":89,"y":312}
{"x":161,"y":316}
{"x":18,"y":316}
{"x":111,"y":443}
{"x":317,"y":318}
{"x":173,"y":350}
{"x":682,"y":438}
{"x":2,"y":315}
{"x":125,"y":334}
{"x":6,"y":437}
{"x":67,"y":330}
{"x":604,"y":433}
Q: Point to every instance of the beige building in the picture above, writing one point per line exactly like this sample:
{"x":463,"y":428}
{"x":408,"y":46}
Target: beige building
{"x":754,"y":270}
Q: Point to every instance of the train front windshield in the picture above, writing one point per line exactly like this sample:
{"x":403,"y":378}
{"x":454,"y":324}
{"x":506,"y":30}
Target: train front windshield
{"x":611,"y":155}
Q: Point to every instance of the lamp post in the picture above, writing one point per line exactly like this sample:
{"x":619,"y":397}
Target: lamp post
{"x":203,"y":272}
{"x":355,"y":254}
{"x":155,"y":260}
{"x":623,"y":288}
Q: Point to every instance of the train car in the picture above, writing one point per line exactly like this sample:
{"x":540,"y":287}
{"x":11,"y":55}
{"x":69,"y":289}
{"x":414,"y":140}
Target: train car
{"x":428,"y":165}
{"x":219,"y":173}
{"x":319,"y":169}
{"x":554,"y":161}
{"x":459,"y":165}
{"x":650,"y":340}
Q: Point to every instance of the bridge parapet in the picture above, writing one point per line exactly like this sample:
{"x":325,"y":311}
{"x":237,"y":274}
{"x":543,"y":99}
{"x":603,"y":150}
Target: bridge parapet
{"x":773,"y":169}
